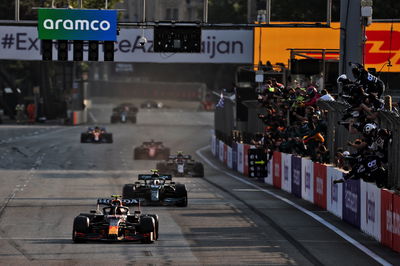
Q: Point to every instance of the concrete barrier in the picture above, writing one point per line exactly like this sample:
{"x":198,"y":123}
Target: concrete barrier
{"x":375,"y":211}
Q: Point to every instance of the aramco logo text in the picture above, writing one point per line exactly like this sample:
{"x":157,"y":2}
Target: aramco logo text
{"x":79,"y":24}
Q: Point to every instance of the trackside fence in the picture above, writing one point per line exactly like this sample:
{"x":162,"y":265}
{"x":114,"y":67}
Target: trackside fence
{"x":338,"y":136}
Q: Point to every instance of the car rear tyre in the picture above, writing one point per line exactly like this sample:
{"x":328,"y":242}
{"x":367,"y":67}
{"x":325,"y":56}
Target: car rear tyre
{"x":138,"y":154}
{"x":81,"y":225}
{"x":181,"y":192}
{"x":128,"y":191}
{"x":83,"y":138}
{"x":155,"y":217}
{"x":108,"y":138}
{"x":198,"y":170}
{"x":147,"y":226}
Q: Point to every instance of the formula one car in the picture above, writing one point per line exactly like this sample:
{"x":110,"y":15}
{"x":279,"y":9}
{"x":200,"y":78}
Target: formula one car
{"x":96,"y":135}
{"x":151,"y":150}
{"x":153,"y":189}
{"x":115,"y":222}
{"x":181,"y":165}
{"x":123,"y":113}
{"x":151,"y":105}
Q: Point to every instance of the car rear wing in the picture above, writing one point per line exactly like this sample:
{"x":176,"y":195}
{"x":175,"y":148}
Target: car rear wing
{"x":125,"y":202}
{"x":156,"y":143}
{"x":186,"y":157}
{"x":148,"y":177}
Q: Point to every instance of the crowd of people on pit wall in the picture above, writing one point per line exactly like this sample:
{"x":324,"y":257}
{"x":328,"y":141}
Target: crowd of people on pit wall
{"x":295,"y":124}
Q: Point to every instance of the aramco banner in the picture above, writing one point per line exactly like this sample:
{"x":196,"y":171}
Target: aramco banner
{"x":77,"y":24}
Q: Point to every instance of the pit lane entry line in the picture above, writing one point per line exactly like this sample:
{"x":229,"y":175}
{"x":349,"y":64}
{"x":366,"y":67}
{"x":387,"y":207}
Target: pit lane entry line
{"x":339,"y":232}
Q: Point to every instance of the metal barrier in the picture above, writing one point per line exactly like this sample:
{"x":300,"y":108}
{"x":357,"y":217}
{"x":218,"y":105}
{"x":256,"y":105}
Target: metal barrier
{"x":391,"y":121}
{"x":338,"y":136}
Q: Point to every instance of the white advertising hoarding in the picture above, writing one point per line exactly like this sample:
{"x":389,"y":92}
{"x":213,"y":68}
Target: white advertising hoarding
{"x":221,"y":150}
{"x":214,"y":145}
{"x":286,"y":172}
{"x":240,"y":158}
{"x":371,"y":209}
{"x":218,"y":46}
{"x":307,"y":180}
{"x":268,"y":179}
{"x":229,"y":159}
{"x":334,"y":192}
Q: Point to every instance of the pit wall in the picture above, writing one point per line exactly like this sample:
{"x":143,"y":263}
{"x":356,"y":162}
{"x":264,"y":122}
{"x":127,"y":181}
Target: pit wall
{"x":374,"y":211}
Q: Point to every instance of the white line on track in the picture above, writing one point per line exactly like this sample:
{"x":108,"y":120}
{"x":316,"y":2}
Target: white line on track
{"x":339,"y":232}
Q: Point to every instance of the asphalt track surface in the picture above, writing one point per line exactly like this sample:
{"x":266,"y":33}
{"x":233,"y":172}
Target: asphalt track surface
{"x":47,"y":178}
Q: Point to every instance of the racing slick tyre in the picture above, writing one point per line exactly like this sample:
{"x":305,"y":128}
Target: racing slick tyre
{"x":147,"y":226}
{"x":108,"y":138}
{"x":81,"y":225}
{"x":138,"y":154}
{"x":113,"y":120}
{"x":198,"y":170}
{"x":84,"y":137}
{"x":155,"y":217}
{"x":181,"y":192}
{"x":128,"y":191}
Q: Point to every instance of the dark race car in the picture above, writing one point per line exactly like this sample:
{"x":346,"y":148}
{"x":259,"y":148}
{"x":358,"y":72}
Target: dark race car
{"x":181,"y":165}
{"x":151,"y":150}
{"x":115,"y":222}
{"x":123,"y":113}
{"x":96,"y":135}
{"x":149,"y":104}
{"x":154,"y":189}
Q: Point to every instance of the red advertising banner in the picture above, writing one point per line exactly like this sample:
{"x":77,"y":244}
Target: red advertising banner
{"x":276,"y":169}
{"x":246,"y":148}
{"x":320,"y":185}
{"x":387,"y":218}
{"x":396,"y":223}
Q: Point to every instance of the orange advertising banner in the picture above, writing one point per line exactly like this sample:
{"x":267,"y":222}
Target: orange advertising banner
{"x":382,"y":46}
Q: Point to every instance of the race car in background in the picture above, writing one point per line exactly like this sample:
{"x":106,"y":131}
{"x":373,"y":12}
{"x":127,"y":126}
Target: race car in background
{"x":123,"y":113}
{"x":115,"y":222}
{"x":151,"y":150}
{"x":149,"y":104}
{"x":96,"y":135}
{"x":181,"y":165}
{"x":156,"y":189}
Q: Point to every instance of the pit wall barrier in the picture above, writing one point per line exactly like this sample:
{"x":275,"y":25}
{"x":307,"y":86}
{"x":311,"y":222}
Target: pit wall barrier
{"x":374,"y":211}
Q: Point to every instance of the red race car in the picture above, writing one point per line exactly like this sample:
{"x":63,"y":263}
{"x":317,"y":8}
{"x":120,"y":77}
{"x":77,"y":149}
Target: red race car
{"x":96,"y":135}
{"x":151,"y":150}
{"x":115,"y":222}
